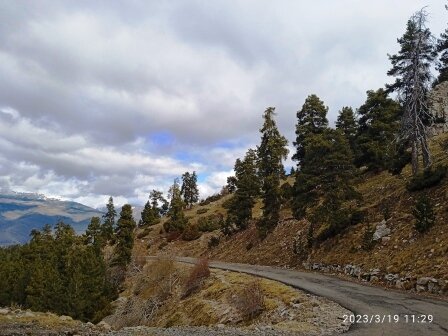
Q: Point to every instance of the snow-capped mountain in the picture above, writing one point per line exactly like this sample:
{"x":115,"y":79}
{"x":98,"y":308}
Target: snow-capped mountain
{"x":22,"y":212}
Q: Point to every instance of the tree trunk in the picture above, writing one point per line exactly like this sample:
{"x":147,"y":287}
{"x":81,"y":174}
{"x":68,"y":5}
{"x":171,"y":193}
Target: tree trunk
{"x":414,"y":157}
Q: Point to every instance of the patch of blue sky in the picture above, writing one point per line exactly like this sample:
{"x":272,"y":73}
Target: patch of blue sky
{"x":162,"y":138}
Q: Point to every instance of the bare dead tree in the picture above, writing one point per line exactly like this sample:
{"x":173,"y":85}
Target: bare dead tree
{"x":412,"y":69}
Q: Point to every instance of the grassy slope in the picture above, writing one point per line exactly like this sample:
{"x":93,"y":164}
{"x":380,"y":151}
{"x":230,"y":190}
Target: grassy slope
{"x":406,"y":252}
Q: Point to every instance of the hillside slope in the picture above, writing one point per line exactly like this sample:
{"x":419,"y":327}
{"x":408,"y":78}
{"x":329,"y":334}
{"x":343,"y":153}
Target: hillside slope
{"x":398,"y":259}
{"x":22,"y":212}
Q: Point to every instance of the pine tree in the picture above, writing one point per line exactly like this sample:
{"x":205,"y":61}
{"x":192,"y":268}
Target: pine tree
{"x":247,"y":187}
{"x":147,"y":215}
{"x":108,"y":226}
{"x":156,"y":196}
{"x":189,"y":189}
{"x":93,"y":234}
{"x":124,"y":236}
{"x":311,"y":119}
{"x":347,"y":123}
{"x":442,"y":48}
{"x":323,"y":185}
{"x":412,"y":69}
{"x":177,"y":220}
{"x":423,"y":212}
{"x":271,"y":151}
{"x":377,"y":134}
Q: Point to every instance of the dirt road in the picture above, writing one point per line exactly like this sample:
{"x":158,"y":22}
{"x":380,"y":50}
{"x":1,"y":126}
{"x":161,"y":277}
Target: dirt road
{"x":379,"y":306}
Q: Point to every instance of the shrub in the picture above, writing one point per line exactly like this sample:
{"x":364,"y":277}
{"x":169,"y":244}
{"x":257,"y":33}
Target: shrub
{"x":202,"y":211}
{"x":144,"y":233}
{"x":197,"y":276}
{"x":227,"y":204}
{"x":212,"y":198}
{"x":424,"y":214}
{"x":210,"y":223}
{"x":429,"y":178}
{"x":250,"y":300}
{"x":172,"y":236}
{"x":214,"y":241}
{"x":191,"y":232}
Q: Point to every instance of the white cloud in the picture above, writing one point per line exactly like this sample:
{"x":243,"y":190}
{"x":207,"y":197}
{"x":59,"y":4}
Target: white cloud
{"x":84,"y":86}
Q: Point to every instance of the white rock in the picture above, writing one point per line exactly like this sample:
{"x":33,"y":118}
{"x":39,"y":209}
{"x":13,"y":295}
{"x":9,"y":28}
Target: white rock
{"x":65,"y":318}
{"x":381,"y":230}
{"x":4,"y":311}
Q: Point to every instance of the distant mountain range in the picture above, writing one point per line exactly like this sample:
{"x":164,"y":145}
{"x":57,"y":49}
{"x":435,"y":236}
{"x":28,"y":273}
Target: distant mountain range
{"x":22,"y":212}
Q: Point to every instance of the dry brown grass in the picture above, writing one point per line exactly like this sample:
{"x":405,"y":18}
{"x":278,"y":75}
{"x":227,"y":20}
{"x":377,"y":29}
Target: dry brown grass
{"x":250,"y":300}
{"x":197,"y":276}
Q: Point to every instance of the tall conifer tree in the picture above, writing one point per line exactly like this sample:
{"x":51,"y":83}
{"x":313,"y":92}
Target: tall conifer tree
{"x":271,"y":151}
{"x":412,"y":69}
{"x":311,"y":119}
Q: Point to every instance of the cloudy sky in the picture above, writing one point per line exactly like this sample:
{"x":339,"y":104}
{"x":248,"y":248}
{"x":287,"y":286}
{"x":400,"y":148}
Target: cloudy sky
{"x":116,"y":98}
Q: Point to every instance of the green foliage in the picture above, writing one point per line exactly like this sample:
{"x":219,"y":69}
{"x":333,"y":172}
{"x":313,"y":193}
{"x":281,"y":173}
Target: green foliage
{"x":191,"y":232}
{"x":411,"y":67}
{"x":348,"y":125}
{"x":94,"y":234}
{"x":442,"y":49}
{"x":212,"y":198}
{"x":210,"y":223}
{"x":271,"y":151}
{"x":423,"y":212}
{"x":58,"y":272}
{"x":108,"y":226}
{"x":177,"y":220}
{"x":124,"y":236}
{"x":247,"y":186}
{"x":324,"y":184}
{"x":377,"y":133}
{"x":429,"y":178}
{"x":189,"y":189}
{"x":311,"y":120}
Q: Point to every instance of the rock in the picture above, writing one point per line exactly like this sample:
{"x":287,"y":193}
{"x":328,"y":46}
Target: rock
{"x":28,"y":314}
{"x":65,"y":318}
{"x":433,"y":287}
{"x":103,"y":325}
{"x":420,"y":288}
{"x":374,"y":278}
{"x":220,"y":326}
{"x":391,"y":277}
{"x":424,"y":281}
{"x":381,"y":230}
{"x":4,"y":311}
{"x":90,"y":324}
{"x":384,"y":240}
{"x":375,"y":271}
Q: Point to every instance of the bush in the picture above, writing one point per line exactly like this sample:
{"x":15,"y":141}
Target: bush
{"x":144,"y":233}
{"x":250,"y":300}
{"x":214,"y":241}
{"x":212,"y":198}
{"x":424,"y":214}
{"x":429,"y":178}
{"x":172,"y":236}
{"x":197,"y":276}
{"x":191,"y":232}
{"x":227,"y":204}
{"x":202,"y":211}
{"x":210,"y":223}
